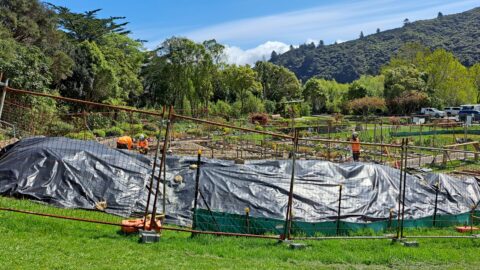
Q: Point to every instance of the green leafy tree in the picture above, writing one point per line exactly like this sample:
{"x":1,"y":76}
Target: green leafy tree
{"x":448,"y":81}
{"x":241,"y":80}
{"x":324,"y":95}
{"x":87,"y":26}
{"x":277,"y":82}
{"x":30,"y":22}
{"x":93,"y":77}
{"x":366,"y":85}
{"x":475,"y":77}
{"x":126,"y":57}
{"x":26,"y":66}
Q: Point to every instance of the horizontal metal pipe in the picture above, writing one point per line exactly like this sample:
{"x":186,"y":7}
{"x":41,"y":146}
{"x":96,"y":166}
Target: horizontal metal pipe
{"x":9,"y":89}
{"x":63,"y":217}
{"x":392,"y":145}
{"x":341,"y":238}
{"x":219,"y":233}
{"x":441,"y":149}
{"x":231,"y":126}
{"x":236,"y":234}
{"x":443,"y":236}
{"x":349,"y":142}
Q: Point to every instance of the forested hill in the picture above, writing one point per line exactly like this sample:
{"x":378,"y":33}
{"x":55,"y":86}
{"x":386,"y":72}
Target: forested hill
{"x":345,"y":62}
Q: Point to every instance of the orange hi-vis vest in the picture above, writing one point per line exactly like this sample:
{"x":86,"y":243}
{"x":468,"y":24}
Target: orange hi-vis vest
{"x":356,"y":145}
{"x":142,"y":144}
{"x":126,"y":140}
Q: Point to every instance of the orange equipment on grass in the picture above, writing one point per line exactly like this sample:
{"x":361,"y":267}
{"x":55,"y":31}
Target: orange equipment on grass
{"x":133,"y":225}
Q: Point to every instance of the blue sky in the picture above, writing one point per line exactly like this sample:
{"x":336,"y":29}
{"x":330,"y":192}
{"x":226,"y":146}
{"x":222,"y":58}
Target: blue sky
{"x":253,"y":28}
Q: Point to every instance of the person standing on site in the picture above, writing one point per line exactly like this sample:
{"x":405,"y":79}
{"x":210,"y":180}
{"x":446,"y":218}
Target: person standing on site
{"x":355,"y":147}
{"x":125,"y":142}
{"x":142,"y":144}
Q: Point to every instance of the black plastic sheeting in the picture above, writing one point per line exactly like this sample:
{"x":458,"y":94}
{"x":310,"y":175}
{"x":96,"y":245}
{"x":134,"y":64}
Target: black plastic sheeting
{"x":369,"y":191}
{"x":74,"y":174}
{"x":78,"y":174}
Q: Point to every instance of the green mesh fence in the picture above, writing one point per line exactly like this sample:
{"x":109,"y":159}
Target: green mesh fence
{"x":234,"y":223}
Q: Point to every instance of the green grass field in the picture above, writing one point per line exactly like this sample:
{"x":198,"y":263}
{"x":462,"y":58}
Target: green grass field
{"x":33,"y":242}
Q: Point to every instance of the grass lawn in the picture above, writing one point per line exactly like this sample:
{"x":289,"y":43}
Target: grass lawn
{"x":33,"y":242}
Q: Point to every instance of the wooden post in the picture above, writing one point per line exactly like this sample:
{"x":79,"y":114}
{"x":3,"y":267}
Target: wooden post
{"x":2,"y":99}
{"x":288,"y":216}
{"x":195,"y":199}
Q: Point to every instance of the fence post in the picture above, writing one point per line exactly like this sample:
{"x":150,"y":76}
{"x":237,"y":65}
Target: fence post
{"x":162,"y":162}
{"x":288,"y":216}
{"x":381,"y":142}
{"x":329,"y":155}
{"x":153,"y":169}
{"x":404,"y":186}
{"x":437,"y":189}
{"x":465,"y":140}
{"x":195,"y":201}
{"x":2,"y":100}
{"x":340,"y":187}
{"x":400,"y":188}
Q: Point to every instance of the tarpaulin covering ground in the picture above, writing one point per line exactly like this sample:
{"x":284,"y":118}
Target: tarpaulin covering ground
{"x":78,"y":174}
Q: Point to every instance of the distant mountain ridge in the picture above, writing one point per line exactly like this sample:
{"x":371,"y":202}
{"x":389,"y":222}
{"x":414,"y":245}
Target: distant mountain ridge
{"x":345,"y":62}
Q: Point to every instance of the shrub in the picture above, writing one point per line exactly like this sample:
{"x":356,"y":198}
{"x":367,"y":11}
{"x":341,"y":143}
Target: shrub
{"x":367,"y":105}
{"x":59,"y":128}
{"x":82,"y":135}
{"x":99,"y":133}
{"x":270,"y":106}
{"x":97,"y":120}
{"x":305,"y":109}
{"x":221,"y":108}
{"x":150,"y":127}
{"x":131,"y":128}
{"x":252,"y":104}
{"x":114,"y":131}
{"x":259,"y":118}
{"x":195,"y":132}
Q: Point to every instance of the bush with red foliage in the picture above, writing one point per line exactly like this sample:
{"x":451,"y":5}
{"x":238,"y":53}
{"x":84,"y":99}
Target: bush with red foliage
{"x":259,"y":118}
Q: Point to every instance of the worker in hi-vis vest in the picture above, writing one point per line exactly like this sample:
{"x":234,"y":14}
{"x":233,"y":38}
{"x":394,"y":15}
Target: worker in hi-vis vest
{"x":125,"y":142}
{"x":142,"y":144}
{"x":355,"y":146}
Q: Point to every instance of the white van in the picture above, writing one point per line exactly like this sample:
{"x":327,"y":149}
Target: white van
{"x":452,"y":111}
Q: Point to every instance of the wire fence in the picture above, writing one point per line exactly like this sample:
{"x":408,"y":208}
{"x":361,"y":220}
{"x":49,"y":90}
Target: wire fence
{"x":75,"y":172}
{"x":246,"y":180}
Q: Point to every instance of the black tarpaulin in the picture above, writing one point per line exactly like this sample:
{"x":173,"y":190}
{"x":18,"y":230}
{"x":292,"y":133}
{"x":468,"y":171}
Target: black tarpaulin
{"x":78,"y":174}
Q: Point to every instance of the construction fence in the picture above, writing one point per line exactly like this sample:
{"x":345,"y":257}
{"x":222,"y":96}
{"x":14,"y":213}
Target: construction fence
{"x":245,"y":181}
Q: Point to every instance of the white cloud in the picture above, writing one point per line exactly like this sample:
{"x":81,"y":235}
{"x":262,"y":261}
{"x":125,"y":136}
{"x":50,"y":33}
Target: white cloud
{"x":342,"y":20}
{"x":235,"y":55}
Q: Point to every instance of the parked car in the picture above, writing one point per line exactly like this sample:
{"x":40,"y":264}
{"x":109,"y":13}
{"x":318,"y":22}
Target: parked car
{"x":432,"y":112}
{"x":470,"y":109}
{"x":452,"y":111}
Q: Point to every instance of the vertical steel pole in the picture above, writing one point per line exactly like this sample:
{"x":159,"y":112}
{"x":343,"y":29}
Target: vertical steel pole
{"x":329,"y":144}
{"x":404,"y":185}
{"x":381,"y":142}
{"x":400,"y":188}
{"x":340,"y":187}
{"x":195,"y":201}
{"x":465,"y":140}
{"x":437,"y":190}
{"x":162,"y":162}
{"x":153,"y":169}
{"x":288,"y":218}
{"x":2,"y":100}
